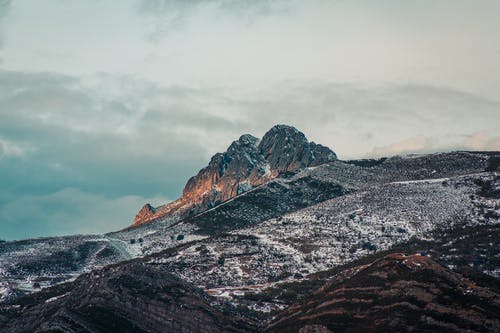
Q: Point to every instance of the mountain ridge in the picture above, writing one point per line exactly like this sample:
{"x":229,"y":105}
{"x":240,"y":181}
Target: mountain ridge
{"x":30,"y":265}
{"x":261,"y":250}
{"x":248,"y":162}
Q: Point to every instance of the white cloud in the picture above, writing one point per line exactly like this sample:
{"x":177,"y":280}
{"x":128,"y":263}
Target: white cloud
{"x":4,"y":10}
{"x":167,"y":16}
{"x":340,"y":41}
{"x":12,"y":149}
{"x":114,"y":117}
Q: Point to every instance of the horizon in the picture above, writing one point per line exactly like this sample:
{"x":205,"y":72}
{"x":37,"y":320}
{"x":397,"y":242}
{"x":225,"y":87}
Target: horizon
{"x":101,"y":114}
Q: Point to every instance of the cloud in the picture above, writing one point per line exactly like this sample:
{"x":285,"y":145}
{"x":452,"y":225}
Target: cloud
{"x":109,"y":138}
{"x":418,"y":144}
{"x":5,"y":6}
{"x":88,"y":103}
{"x":360,"y":120}
{"x":214,"y":43}
{"x":87,"y":140}
{"x":482,"y":141}
{"x":12,"y":149}
{"x":68,"y":211}
{"x":478,"y":141}
{"x":171,"y":15}
{"x":107,"y":118}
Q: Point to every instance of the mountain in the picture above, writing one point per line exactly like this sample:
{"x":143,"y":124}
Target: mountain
{"x":374,"y":205}
{"x":247,"y":163}
{"x":257,"y":255}
{"x":245,"y":253}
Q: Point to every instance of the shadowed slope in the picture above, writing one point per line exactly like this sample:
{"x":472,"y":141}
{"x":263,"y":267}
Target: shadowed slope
{"x":397,"y":293}
{"x":131,"y":297}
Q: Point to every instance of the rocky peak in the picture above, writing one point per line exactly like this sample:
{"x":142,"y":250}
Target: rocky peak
{"x":146,"y":211}
{"x":219,"y":181}
{"x":245,"y":154}
{"x":248,"y":162}
{"x":245,"y":141}
{"x":287,"y":149}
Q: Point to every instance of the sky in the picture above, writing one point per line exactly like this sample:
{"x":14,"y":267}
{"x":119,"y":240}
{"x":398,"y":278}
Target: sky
{"x":106,"y":105}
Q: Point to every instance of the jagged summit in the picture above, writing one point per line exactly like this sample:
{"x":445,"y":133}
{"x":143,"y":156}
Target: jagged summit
{"x":248,"y":162}
{"x":248,"y":139}
{"x":287,"y":149}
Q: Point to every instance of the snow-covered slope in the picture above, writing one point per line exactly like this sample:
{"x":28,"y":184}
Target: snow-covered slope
{"x":29,"y":265}
{"x":305,"y":188}
{"x":333,"y":232}
{"x":286,"y":228}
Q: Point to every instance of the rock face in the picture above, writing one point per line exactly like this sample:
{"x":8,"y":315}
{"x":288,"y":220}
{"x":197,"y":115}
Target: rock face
{"x":398,"y":293}
{"x":286,"y":149}
{"x":247,"y":163}
{"x":146,"y":212}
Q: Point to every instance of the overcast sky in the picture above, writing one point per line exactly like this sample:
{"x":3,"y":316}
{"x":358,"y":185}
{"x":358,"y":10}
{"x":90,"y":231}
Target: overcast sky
{"x":106,"y":105}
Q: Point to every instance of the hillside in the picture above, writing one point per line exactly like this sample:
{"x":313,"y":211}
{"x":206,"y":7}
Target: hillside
{"x":244,"y":257}
{"x":397,"y":293}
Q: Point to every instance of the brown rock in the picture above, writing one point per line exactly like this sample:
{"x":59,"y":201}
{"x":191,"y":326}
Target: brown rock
{"x":146,"y":212}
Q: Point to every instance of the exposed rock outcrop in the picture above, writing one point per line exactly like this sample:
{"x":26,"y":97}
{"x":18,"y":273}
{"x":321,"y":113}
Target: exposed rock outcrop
{"x":145,"y":213}
{"x":247,"y":163}
{"x":286,"y":149}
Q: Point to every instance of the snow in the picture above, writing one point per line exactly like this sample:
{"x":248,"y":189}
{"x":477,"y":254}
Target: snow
{"x":392,"y":202}
{"x":435,"y":180}
{"x":52,"y":299}
{"x":330,"y":233}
